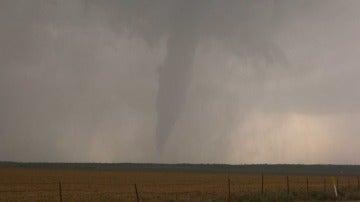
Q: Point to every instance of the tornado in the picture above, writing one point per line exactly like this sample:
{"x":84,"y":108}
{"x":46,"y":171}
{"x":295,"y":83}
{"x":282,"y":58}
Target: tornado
{"x":175,"y":72}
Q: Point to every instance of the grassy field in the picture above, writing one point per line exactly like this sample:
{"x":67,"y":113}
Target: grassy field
{"x":28,"y":184}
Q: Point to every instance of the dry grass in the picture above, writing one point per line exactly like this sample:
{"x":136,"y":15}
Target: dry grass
{"x":101,"y":185}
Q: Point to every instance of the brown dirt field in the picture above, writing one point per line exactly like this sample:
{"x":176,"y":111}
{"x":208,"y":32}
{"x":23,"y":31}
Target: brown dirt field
{"x":101,"y":185}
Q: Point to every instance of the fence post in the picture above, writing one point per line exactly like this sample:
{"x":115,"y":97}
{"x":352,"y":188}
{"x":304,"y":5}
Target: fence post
{"x":136,"y":192}
{"x":337,"y":184}
{"x":60,"y":192}
{"x":335,"y":188}
{"x":262,"y":183}
{"x":287,"y":184}
{"x":307,"y":185}
{"x":229,"y":199}
{"x":324,"y":185}
{"x":358,"y":182}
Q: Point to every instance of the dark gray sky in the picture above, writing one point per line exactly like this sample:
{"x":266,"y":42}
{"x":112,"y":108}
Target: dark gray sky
{"x":180,"y":81}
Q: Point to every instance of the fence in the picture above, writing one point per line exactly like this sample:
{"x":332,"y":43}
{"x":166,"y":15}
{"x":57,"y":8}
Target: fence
{"x":227,"y":189}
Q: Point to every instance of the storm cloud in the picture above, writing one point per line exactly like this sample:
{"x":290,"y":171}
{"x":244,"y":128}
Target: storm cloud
{"x":179,"y":81}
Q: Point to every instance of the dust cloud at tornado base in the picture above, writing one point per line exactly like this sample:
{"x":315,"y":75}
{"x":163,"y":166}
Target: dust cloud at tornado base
{"x":174,"y":81}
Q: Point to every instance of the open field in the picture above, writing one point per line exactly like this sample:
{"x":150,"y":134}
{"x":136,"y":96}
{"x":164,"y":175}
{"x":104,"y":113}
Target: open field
{"x":30,"y":184}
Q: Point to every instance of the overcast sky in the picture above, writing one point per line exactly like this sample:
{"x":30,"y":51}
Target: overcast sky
{"x":175,"y":81}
